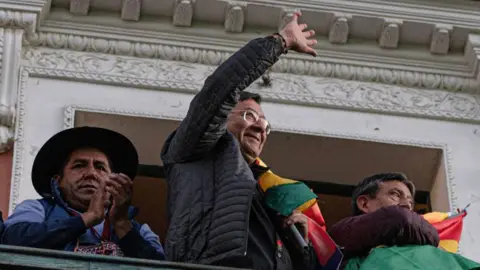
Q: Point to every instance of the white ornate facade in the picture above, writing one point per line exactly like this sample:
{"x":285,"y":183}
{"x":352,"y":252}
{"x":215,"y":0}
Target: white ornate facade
{"x":395,"y":72}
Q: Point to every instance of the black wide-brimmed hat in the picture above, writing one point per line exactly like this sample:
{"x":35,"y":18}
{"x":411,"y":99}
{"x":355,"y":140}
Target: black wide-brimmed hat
{"x":54,"y":153}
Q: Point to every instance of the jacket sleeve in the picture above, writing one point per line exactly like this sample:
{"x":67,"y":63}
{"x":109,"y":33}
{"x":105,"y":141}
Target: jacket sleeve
{"x":206,"y":119}
{"x":142,"y":243}
{"x":26,"y":227}
{"x":392,"y":225}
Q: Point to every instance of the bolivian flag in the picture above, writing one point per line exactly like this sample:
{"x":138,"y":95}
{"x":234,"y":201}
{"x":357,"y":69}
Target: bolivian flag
{"x":449,"y":227}
{"x":284,"y":196}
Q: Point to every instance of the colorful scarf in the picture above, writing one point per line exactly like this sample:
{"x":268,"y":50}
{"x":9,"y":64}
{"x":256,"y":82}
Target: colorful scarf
{"x":284,"y":196}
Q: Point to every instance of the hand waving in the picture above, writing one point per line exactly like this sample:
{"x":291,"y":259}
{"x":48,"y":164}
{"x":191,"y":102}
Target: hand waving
{"x":297,"y":38}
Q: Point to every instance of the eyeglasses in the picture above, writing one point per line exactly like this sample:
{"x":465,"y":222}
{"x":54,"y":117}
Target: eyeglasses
{"x":252,"y":117}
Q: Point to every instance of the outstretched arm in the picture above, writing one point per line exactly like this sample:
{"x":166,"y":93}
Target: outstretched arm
{"x":207,"y":116}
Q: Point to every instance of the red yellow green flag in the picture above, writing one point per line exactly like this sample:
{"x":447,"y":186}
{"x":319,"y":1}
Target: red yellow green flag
{"x":449,"y":227}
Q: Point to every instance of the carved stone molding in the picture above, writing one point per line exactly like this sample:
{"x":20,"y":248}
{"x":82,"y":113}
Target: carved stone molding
{"x":390,"y":34}
{"x":183,"y":13}
{"x":10,"y":53}
{"x":441,"y":39}
{"x":16,"y":19}
{"x":472,"y":53}
{"x":235,"y":16}
{"x":339,"y":30}
{"x":131,"y":10}
{"x":419,"y":18}
{"x":79,"y":7}
{"x":291,"y":63}
{"x":308,"y":90}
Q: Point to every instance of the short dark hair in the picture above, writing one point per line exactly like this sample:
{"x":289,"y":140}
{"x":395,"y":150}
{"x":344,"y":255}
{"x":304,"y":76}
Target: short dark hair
{"x":244,"y":95}
{"x":370,"y":185}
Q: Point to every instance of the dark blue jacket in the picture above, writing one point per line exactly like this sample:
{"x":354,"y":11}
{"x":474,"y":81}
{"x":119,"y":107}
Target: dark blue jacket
{"x":47,"y":224}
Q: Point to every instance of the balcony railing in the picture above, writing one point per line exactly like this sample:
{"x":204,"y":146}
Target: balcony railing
{"x":12,"y":257}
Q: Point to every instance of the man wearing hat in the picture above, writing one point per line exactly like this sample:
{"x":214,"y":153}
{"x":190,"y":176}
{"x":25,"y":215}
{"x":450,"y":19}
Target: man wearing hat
{"x":85,"y":178}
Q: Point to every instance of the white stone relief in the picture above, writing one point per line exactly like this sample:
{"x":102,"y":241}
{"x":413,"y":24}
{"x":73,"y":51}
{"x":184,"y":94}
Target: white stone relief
{"x":390,"y":34}
{"x":441,"y":39}
{"x":183,"y":13}
{"x":472,"y":54}
{"x":18,"y":19}
{"x":131,"y":10}
{"x":79,"y":7}
{"x":235,"y":17}
{"x":339,"y":30}
{"x":320,"y":67}
{"x":284,"y":87}
{"x":13,"y":25}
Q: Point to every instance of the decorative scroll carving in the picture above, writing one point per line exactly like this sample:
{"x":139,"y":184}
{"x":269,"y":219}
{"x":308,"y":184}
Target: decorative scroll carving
{"x":339,"y":28}
{"x":390,"y":34}
{"x":288,"y":64}
{"x":183,"y":13}
{"x":441,"y":39}
{"x":283,"y":87}
{"x":131,"y":10}
{"x":79,"y":7}
{"x":235,"y":17}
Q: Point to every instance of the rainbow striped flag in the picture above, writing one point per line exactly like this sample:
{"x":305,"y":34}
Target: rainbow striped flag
{"x":284,"y":196}
{"x":449,"y":227}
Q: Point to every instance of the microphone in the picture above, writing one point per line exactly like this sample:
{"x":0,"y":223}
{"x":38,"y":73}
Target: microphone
{"x":298,"y":237}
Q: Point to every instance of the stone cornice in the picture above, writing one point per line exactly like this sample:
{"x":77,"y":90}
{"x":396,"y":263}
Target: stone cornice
{"x":442,"y":29}
{"x":432,"y":75}
{"x":459,"y":14}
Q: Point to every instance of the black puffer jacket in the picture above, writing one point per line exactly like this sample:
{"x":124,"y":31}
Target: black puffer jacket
{"x":210,"y":184}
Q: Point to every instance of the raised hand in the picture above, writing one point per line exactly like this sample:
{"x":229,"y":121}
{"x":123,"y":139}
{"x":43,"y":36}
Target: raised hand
{"x":96,"y":209}
{"x":297,"y":38}
{"x":120,"y":187}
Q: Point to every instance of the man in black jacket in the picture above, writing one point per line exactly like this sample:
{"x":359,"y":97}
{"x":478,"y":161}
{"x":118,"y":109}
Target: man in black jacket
{"x":215,"y":207}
